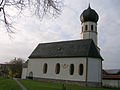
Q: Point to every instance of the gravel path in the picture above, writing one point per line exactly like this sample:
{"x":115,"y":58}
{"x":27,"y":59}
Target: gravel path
{"x":21,"y":86}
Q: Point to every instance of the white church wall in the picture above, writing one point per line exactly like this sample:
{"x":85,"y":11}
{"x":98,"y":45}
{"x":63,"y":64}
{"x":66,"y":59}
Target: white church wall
{"x":94,"y":70}
{"x":24,"y":73}
{"x":36,"y":66}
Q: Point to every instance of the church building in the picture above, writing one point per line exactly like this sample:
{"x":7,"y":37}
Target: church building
{"x":73,"y":62}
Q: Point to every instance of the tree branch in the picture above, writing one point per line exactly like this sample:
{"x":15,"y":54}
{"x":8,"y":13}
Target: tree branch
{"x":40,"y":8}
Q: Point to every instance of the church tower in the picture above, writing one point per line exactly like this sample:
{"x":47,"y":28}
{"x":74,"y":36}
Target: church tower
{"x":89,"y":19}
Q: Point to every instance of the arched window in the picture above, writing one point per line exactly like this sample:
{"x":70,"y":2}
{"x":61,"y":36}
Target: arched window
{"x":45,"y":68}
{"x":91,"y":27}
{"x":86,"y":27}
{"x":81,"y":69}
{"x":30,"y":75}
{"x":57,"y":68}
{"x":71,"y":69}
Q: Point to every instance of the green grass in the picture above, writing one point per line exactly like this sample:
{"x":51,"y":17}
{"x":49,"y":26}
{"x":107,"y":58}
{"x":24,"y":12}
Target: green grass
{"x":37,"y":85}
{"x":8,"y":84}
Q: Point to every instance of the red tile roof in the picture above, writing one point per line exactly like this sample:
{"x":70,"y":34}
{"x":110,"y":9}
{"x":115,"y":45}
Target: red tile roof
{"x":111,"y":76}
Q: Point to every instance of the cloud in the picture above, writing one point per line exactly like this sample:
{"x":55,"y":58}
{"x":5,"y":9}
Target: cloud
{"x":109,"y":35}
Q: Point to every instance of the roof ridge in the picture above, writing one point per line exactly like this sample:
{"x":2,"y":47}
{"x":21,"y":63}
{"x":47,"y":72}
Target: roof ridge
{"x":64,"y":41}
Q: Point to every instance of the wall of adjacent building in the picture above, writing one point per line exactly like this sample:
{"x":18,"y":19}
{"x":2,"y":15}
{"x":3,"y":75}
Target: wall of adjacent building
{"x":111,"y":83}
{"x":36,"y":66}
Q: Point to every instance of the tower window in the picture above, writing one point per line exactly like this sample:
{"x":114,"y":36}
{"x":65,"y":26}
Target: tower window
{"x":71,"y":69}
{"x":81,"y":69}
{"x":57,"y":68}
{"x":91,"y":27}
{"x":45,"y":68}
{"x":96,"y":29}
{"x":86,"y":27}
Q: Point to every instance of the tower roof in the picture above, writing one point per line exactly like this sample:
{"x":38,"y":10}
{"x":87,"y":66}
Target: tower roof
{"x":89,"y":15}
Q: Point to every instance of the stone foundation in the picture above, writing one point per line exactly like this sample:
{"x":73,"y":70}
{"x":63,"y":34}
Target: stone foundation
{"x":81,"y":83}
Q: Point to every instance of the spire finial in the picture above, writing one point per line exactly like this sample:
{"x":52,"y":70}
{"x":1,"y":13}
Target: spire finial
{"x":89,"y":6}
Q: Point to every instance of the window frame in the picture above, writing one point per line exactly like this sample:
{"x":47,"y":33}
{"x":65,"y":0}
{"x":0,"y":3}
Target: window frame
{"x":45,"y":67}
{"x":71,"y":69}
{"x":81,"y":69}
{"x":92,"y":28}
{"x":57,"y":68}
{"x":86,"y":27}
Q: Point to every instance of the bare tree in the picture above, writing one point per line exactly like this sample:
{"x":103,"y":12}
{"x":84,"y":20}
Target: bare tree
{"x":40,"y":8}
{"x":15,"y":67}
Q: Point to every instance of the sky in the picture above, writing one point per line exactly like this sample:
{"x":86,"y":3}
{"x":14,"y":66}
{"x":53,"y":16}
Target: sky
{"x":31,"y":31}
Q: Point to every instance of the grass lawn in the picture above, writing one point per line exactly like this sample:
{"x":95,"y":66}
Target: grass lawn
{"x":8,"y":84}
{"x":36,"y":85}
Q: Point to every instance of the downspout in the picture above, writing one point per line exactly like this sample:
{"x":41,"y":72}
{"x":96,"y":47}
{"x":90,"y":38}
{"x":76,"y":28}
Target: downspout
{"x":101,"y":73}
{"x":86,"y":70}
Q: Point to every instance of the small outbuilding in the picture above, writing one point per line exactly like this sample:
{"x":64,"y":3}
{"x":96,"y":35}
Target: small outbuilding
{"x":111,"y":78}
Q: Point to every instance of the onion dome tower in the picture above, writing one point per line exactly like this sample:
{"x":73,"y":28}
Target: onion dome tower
{"x":89,"y":19}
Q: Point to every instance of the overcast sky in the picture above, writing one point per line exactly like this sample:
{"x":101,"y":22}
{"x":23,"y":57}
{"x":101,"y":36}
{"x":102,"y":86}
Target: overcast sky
{"x":31,"y":31}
